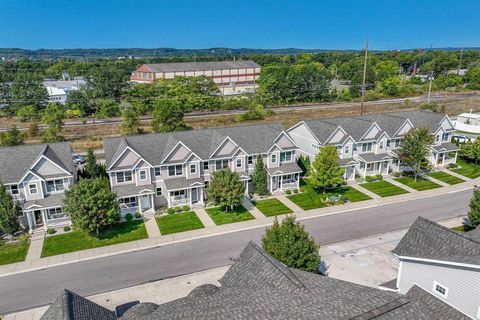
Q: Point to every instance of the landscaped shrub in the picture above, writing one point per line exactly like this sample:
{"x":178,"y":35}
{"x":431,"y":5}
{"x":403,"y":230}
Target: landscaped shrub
{"x":23,"y":237}
{"x":138,"y":215}
{"x":185,"y":208}
{"x":170,"y":211}
{"x":452,"y":165}
{"x":67,"y":228}
{"x":379,"y":176}
{"x":129,"y":217}
{"x":369,"y":178}
{"x":397,"y":174}
{"x":117,"y":217}
{"x":295,"y":190}
{"x":288,"y":192}
{"x":51,"y":231}
{"x":177,"y":209}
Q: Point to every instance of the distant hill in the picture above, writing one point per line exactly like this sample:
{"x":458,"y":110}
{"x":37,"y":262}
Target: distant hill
{"x":161,"y":52}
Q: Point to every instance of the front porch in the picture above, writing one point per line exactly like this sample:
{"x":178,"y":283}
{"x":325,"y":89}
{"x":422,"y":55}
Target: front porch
{"x":372,"y":164}
{"x":444,"y":154}
{"x":46,"y":218}
{"x":285,"y":177}
{"x":139,"y":203}
{"x":183,"y":191}
{"x":349,"y":165}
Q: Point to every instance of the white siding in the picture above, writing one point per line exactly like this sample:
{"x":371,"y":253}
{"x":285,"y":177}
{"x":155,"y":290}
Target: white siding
{"x":179,"y":153}
{"x":404,"y":129}
{"x":284,"y":142}
{"x":463,"y":284}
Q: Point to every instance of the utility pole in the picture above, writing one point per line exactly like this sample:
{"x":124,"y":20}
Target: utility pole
{"x":460,"y":62}
{"x":364,"y":77}
{"x":430,"y":87}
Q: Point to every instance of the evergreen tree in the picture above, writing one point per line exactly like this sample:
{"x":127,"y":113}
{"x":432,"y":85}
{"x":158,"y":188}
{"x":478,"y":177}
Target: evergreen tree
{"x":474,"y":212}
{"x":91,"y":204}
{"x":131,"y":121}
{"x":9,"y":212}
{"x":12,"y":137}
{"x":91,"y":168}
{"x":326,"y":171}
{"x":292,"y":245}
{"x":260,"y":177}
{"x":226,"y":190}
{"x":304,"y":163}
{"x":415,"y":149}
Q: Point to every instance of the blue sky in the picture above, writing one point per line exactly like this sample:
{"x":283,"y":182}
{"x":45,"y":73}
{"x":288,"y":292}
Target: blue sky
{"x":334,"y":24}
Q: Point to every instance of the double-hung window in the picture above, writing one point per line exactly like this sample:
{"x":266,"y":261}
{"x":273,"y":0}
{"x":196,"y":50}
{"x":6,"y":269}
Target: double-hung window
{"x":142,"y":175}
{"x":445,"y":137}
{"x":221,"y":164}
{"x":129,"y":201}
{"x":239,"y":162}
{"x":33,"y":188}
{"x":124,"y":176}
{"x":285,"y":156}
{"x":55,"y":185}
{"x":250,"y":160}
{"x":205,"y":165}
{"x":193,"y":169}
{"x":158,"y":172}
{"x":175,"y":170}
{"x":274,"y":158}
{"x":159,"y":191}
{"x":367,"y":147}
{"x":55,"y":213}
{"x":14,"y":189}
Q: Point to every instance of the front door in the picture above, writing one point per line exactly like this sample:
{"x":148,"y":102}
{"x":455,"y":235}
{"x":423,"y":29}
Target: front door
{"x":146,"y":204}
{"x":194,"y":195}
{"x":440,"y":158}
{"x":38,"y":218}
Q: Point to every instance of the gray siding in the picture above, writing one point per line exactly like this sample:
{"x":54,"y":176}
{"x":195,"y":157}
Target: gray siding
{"x":463,"y":284}
{"x":46,"y":167}
{"x":127,"y":159}
{"x":304,"y":140}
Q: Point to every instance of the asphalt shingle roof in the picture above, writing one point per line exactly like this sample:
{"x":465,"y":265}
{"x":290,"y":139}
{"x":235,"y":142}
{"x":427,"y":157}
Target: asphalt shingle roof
{"x":429,"y":240}
{"x":128,"y":190}
{"x":154,"y":148}
{"x":201,"y":66}
{"x":446,"y":147}
{"x":16,"y":161}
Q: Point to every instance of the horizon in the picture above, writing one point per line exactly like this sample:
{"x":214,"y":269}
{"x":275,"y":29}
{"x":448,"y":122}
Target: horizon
{"x":269,"y":25}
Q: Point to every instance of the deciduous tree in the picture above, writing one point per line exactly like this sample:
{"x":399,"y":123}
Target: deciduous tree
{"x":226,"y":190}
{"x":167,"y":115}
{"x":415,"y":149}
{"x":131,"y":120}
{"x":471,"y":150}
{"x":326,"y":172}
{"x":53,"y":116}
{"x":12,"y":137}
{"x":474,"y":212}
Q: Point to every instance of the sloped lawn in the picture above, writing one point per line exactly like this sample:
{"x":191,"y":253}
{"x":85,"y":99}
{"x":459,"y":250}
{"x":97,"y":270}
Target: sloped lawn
{"x":272,"y":207}
{"x":468,"y":169}
{"x":179,"y":222}
{"x":312,"y":199}
{"x":238,"y":214}
{"x":14,"y":252}
{"x":78,"y":240}
{"x":445,"y":177}
{"x":419,"y":185}
{"x":383,"y":188}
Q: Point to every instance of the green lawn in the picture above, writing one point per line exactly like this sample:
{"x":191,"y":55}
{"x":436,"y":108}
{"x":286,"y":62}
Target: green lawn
{"x":383,"y":188}
{"x":272,"y":207}
{"x":445,"y":177}
{"x":223,"y":217}
{"x":312,"y":199}
{"x":467,"y":169}
{"x":463,"y":228}
{"x":179,"y":222}
{"x":79,"y":240}
{"x":420,"y":185}
{"x":15,"y":252}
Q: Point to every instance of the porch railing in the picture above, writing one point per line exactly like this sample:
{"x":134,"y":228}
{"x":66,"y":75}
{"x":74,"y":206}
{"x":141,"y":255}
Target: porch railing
{"x":289,"y":185}
{"x":175,"y":202}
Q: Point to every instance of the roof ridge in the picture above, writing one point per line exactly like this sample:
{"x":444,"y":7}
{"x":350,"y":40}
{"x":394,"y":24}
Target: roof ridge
{"x":289,"y":275}
{"x":448,"y":229}
{"x":383,"y":309}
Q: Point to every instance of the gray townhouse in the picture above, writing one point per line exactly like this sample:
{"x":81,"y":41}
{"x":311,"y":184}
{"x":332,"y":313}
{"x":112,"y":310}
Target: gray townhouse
{"x":256,"y":286}
{"x":444,"y":263}
{"x":173,"y":169}
{"x":369,"y":144}
{"x":37,"y":177}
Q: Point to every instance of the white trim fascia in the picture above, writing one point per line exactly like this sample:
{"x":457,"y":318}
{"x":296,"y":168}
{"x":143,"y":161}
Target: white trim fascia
{"x":46,"y":158}
{"x":346,"y":140}
{"x":173,"y":149}
{"x":221,"y":144}
{"x":449,"y":121}
{"x":236,"y":152}
{"x":138,"y":162}
{"x":27,"y":173}
{"x":190,"y":156}
{"x":384,"y":133}
{"x":275,"y":145}
{"x":121,"y":154}
{"x":449,"y":263}
{"x":333,"y":133}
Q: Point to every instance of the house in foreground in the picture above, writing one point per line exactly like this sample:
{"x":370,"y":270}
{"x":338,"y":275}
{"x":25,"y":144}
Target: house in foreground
{"x":369,"y":144}
{"x":232,"y":77}
{"x":174,"y":169}
{"x":257,"y":286}
{"x":37,"y":177}
{"x":443,"y":263}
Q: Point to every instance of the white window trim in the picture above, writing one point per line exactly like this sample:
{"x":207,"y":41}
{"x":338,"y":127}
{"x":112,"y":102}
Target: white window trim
{"x":435,"y":284}
{"x":176,"y":174}
{"x":140,"y":175}
{"x":273,"y":158}
{"x":194,"y":167}
{"x":239,"y":163}
{"x":156,"y":192}
{"x":55,"y":189}
{"x":30,"y":189}
{"x":124,"y":180}
{"x":159,"y":171}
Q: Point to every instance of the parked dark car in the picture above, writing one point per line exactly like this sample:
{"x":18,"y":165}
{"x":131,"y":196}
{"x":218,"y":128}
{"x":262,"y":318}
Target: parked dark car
{"x":78,"y":159}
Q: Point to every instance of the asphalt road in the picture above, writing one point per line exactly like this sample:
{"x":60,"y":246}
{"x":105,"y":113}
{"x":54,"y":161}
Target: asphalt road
{"x":27,"y":290}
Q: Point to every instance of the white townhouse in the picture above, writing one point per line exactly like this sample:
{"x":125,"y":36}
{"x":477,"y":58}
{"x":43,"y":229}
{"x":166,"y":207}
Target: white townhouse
{"x":173,"y":169}
{"x":37,"y":177}
{"x":369,"y":144}
{"x":444,"y":263}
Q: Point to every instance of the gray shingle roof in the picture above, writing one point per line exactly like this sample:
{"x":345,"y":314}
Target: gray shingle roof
{"x":16,"y":161}
{"x":129,"y":190}
{"x":285,"y":168}
{"x":154,"y":148}
{"x":321,"y":129}
{"x":421,"y":118}
{"x":429,"y":240}
{"x":201,"y":66}
{"x":52,"y":200}
{"x":71,"y":306}
{"x":181,"y":183}
{"x":445,"y":147}
{"x":347,"y":161}
{"x":373,"y":157}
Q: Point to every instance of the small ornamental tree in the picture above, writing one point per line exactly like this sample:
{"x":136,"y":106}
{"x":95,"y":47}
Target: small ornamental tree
{"x":415,"y":149}
{"x":260,"y":177}
{"x":471,"y":150}
{"x":474,"y":212}
{"x":326,"y":171}
{"x":226,"y":190}
{"x":91,"y":205}
{"x":9,"y":212}
{"x":291,"y":244}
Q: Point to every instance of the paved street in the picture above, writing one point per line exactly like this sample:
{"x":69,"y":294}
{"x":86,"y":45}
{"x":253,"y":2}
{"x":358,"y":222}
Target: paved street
{"x":37,"y":288}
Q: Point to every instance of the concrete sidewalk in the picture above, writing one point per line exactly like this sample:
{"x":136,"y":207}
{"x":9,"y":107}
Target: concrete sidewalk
{"x":400,"y":185}
{"x":214,"y":230}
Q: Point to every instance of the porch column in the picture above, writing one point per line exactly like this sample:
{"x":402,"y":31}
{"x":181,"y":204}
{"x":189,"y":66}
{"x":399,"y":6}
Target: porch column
{"x":189,"y":194}
{"x":151,"y":199}
{"x":298,"y":180}
{"x":436,"y":159}
{"x":354,"y":169}
{"x":44,"y":217}
{"x":365,"y":171}
{"x":168,"y":199}
{"x":139,"y":200}
{"x":201,"y":194}
{"x":271,"y":183}
{"x":281,"y":183}
{"x":29,"y":221}
{"x":455,"y":160}
{"x":388,"y":167}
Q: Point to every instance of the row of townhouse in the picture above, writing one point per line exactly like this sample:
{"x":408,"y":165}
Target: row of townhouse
{"x":174,"y":169}
{"x":151,"y":171}
{"x":369,"y":145}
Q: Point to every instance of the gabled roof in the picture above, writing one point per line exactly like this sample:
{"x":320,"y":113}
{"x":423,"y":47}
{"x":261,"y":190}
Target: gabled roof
{"x":321,"y":129}
{"x":200,"y":66}
{"x":154,"y":148}
{"x":428,"y":240}
{"x":421,"y":118}
{"x":445,"y":147}
{"x":71,"y":306}
{"x":16,"y":161}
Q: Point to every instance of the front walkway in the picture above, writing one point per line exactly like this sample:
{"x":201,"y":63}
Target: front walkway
{"x":204,"y":217}
{"x":36,"y":245}
{"x":366,"y":191}
{"x":289,"y":203}
{"x":151,"y":225}
{"x":400,"y":185}
{"x":443,"y":184}
{"x":457,"y":175}
{"x":253,"y":210}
